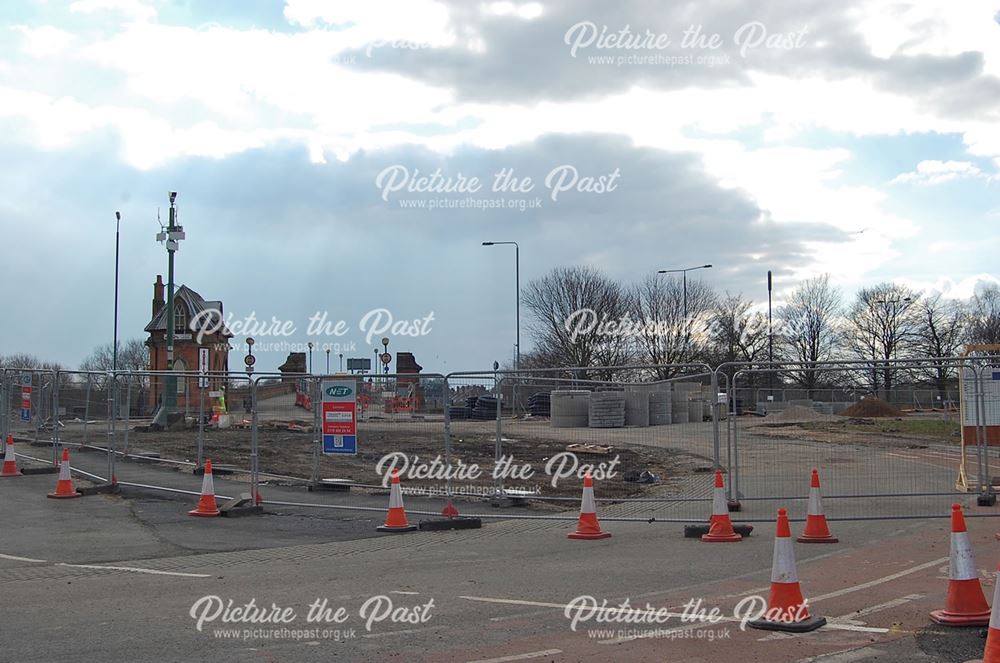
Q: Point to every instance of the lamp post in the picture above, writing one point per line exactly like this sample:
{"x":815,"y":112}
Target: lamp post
{"x":170,"y":238}
{"x":517,"y":308}
{"x":517,"y":286}
{"x":310,"y":344}
{"x":341,"y":355}
{"x":328,"y":361}
{"x":683,"y":272}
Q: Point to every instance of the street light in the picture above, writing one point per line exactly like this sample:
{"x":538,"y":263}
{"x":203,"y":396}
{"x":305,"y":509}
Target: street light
{"x":687,"y":326}
{"x":517,"y":286}
{"x":341,"y":355}
{"x":328,"y":361}
{"x":310,"y":344}
{"x":171,"y":237}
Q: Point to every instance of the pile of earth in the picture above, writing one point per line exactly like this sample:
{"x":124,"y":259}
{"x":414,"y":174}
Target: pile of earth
{"x":871,"y":406}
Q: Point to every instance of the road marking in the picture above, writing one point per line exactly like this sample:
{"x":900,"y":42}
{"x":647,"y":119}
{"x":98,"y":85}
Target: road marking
{"x":135,"y":569}
{"x":22,"y":559}
{"x":879,"y":581}
{"x":883,"y":606}
{"x":562,"y":606}
{"x":405,"y":593}
{"x":520,"y":657}
{"x":402,"y":632}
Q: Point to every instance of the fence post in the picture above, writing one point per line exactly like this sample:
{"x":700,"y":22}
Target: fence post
{"x":54,"y":417}
{"x":253,"y":439}
{"x":112,"y":397}
{"x":128,"y":410}
{"x":716,"y":449}
{"x":499,"y":444}
{"x":315,"y":387}
{"x":201,"y":423}
{"x":446,"y":393}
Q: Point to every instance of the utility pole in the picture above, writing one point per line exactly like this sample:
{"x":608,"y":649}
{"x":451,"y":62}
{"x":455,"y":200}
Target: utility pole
{"x":171,"y":237}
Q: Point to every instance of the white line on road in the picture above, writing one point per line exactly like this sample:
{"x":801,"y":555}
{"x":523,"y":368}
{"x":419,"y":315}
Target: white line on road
{"x":520,"y":657}
{"x":879,"y":581}
{"x":401,"y":632}
{"x":405,"y":593}
{"x":562,"y":606}
{"x":22,"y":559}
{"x":135,"y":569}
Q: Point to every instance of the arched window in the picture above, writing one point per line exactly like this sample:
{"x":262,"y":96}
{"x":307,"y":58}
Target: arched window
{"x":180,"y":318}
{"x":180,"y":366}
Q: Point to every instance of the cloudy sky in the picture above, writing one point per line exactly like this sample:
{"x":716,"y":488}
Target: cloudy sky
{"x":340,"y":157}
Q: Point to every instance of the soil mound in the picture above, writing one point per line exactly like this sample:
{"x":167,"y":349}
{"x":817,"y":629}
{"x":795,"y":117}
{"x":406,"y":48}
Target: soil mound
{"x":797,"y":413}
{"x":872,"y":407}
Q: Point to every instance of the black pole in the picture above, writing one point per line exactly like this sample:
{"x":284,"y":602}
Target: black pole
{"x":114,"y":342}
{"x":770,"y":335}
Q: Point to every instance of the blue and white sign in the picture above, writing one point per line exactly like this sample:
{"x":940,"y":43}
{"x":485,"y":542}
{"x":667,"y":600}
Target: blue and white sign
{"x":340,"y":411}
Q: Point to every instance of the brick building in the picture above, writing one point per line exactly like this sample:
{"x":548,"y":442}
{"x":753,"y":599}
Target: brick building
{"x":189,"y":307}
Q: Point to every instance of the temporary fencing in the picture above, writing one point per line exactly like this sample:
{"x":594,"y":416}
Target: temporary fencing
{"x":522,"y":441}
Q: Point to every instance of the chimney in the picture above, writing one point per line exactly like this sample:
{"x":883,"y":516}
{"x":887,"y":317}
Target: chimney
{"x":158,"y":302}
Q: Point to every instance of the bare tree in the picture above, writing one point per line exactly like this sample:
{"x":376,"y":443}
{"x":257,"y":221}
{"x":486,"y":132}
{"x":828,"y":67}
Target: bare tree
{"x":808,"y":330}
{"x":984,"y":315}
{"x":883,"y":324}
{"x":576,"y":316}
{"x":738,"y":334}
{"x":665,"y":336}
{"x":941,"y":331}
{"x":133,"y":355}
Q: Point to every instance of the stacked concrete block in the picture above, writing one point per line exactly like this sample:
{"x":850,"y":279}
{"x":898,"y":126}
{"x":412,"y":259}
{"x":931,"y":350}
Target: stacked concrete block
{"x":570,"y":408}
{"x":637,"y":408}
{"x":607,"y":409}
{"x":660,"y":407}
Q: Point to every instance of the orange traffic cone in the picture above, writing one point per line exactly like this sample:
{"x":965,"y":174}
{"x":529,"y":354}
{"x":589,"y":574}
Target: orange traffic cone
{"x":449,"y":510}
{"x":64,"y":486}
{"x":207,"y":508}
{"x":786,"y":609}
{"x":721,"y":527}
{"x":588,"y":527}
{"x":9,"y":464}
{"x":992,"y":653}
{"x":395,"y":520}
{"x":966,"y":603}
{"x":817,"y":530}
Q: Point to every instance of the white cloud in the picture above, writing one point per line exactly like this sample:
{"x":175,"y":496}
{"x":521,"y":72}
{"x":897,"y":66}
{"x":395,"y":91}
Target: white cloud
{"x":937,"y":172}
{"x":134,"y":9}
{"x":44,"y":41}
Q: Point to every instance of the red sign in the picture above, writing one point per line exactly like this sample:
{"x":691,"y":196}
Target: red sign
{"x":339,"y":419}
{"x":26,"y":397}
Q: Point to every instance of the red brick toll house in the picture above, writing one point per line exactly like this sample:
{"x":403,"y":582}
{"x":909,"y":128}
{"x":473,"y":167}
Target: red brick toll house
{"x":188,"y":306}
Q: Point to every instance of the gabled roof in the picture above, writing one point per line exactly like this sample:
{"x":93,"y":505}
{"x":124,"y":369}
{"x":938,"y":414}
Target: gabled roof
{"x":195,"y":304}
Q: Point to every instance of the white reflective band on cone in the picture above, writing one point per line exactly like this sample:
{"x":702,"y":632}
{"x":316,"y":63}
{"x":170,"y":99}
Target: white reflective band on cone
{"x":395,"y":497}
{"x":995,"y":615}
{"x":207,"y":484}
{"x":783,"y":564}
{"x":64,"y":471}
{"x":587,"y":505}
{"x":815,"y":503}
{"x":963,"y":563}
{"x":719,"y":505}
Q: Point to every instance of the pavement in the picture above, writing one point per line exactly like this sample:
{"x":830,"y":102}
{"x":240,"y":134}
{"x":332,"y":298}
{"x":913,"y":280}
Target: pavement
{"x":131,"y":577}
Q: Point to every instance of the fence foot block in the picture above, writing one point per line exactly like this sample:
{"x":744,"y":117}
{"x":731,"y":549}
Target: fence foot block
{"x":100,"y":489}
{"x":450,"y":523}
{"x":39,"y":470}
{"x":697,"y":531}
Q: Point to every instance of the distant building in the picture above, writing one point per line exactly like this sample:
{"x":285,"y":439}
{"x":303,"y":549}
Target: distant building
{"x":189,"y":307}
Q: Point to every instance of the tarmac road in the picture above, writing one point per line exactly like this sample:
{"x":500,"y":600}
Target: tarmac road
{"x":116,"y":577}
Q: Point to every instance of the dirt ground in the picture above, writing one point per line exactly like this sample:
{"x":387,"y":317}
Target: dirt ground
{"x":291,"y":454}
{"x":904,"y":432}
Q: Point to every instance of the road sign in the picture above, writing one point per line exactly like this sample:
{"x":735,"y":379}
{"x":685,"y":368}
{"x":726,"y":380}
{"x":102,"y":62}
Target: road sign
{"x":364,"y":364}
{"x":202,"y":368}
{"x":249,"y":360}
{"x":340,"y":422}
{"x":386,"y":358}
{"x":26,"y":401}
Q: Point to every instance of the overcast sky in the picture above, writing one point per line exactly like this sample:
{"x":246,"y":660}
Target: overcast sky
{"x":856,"y":138}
